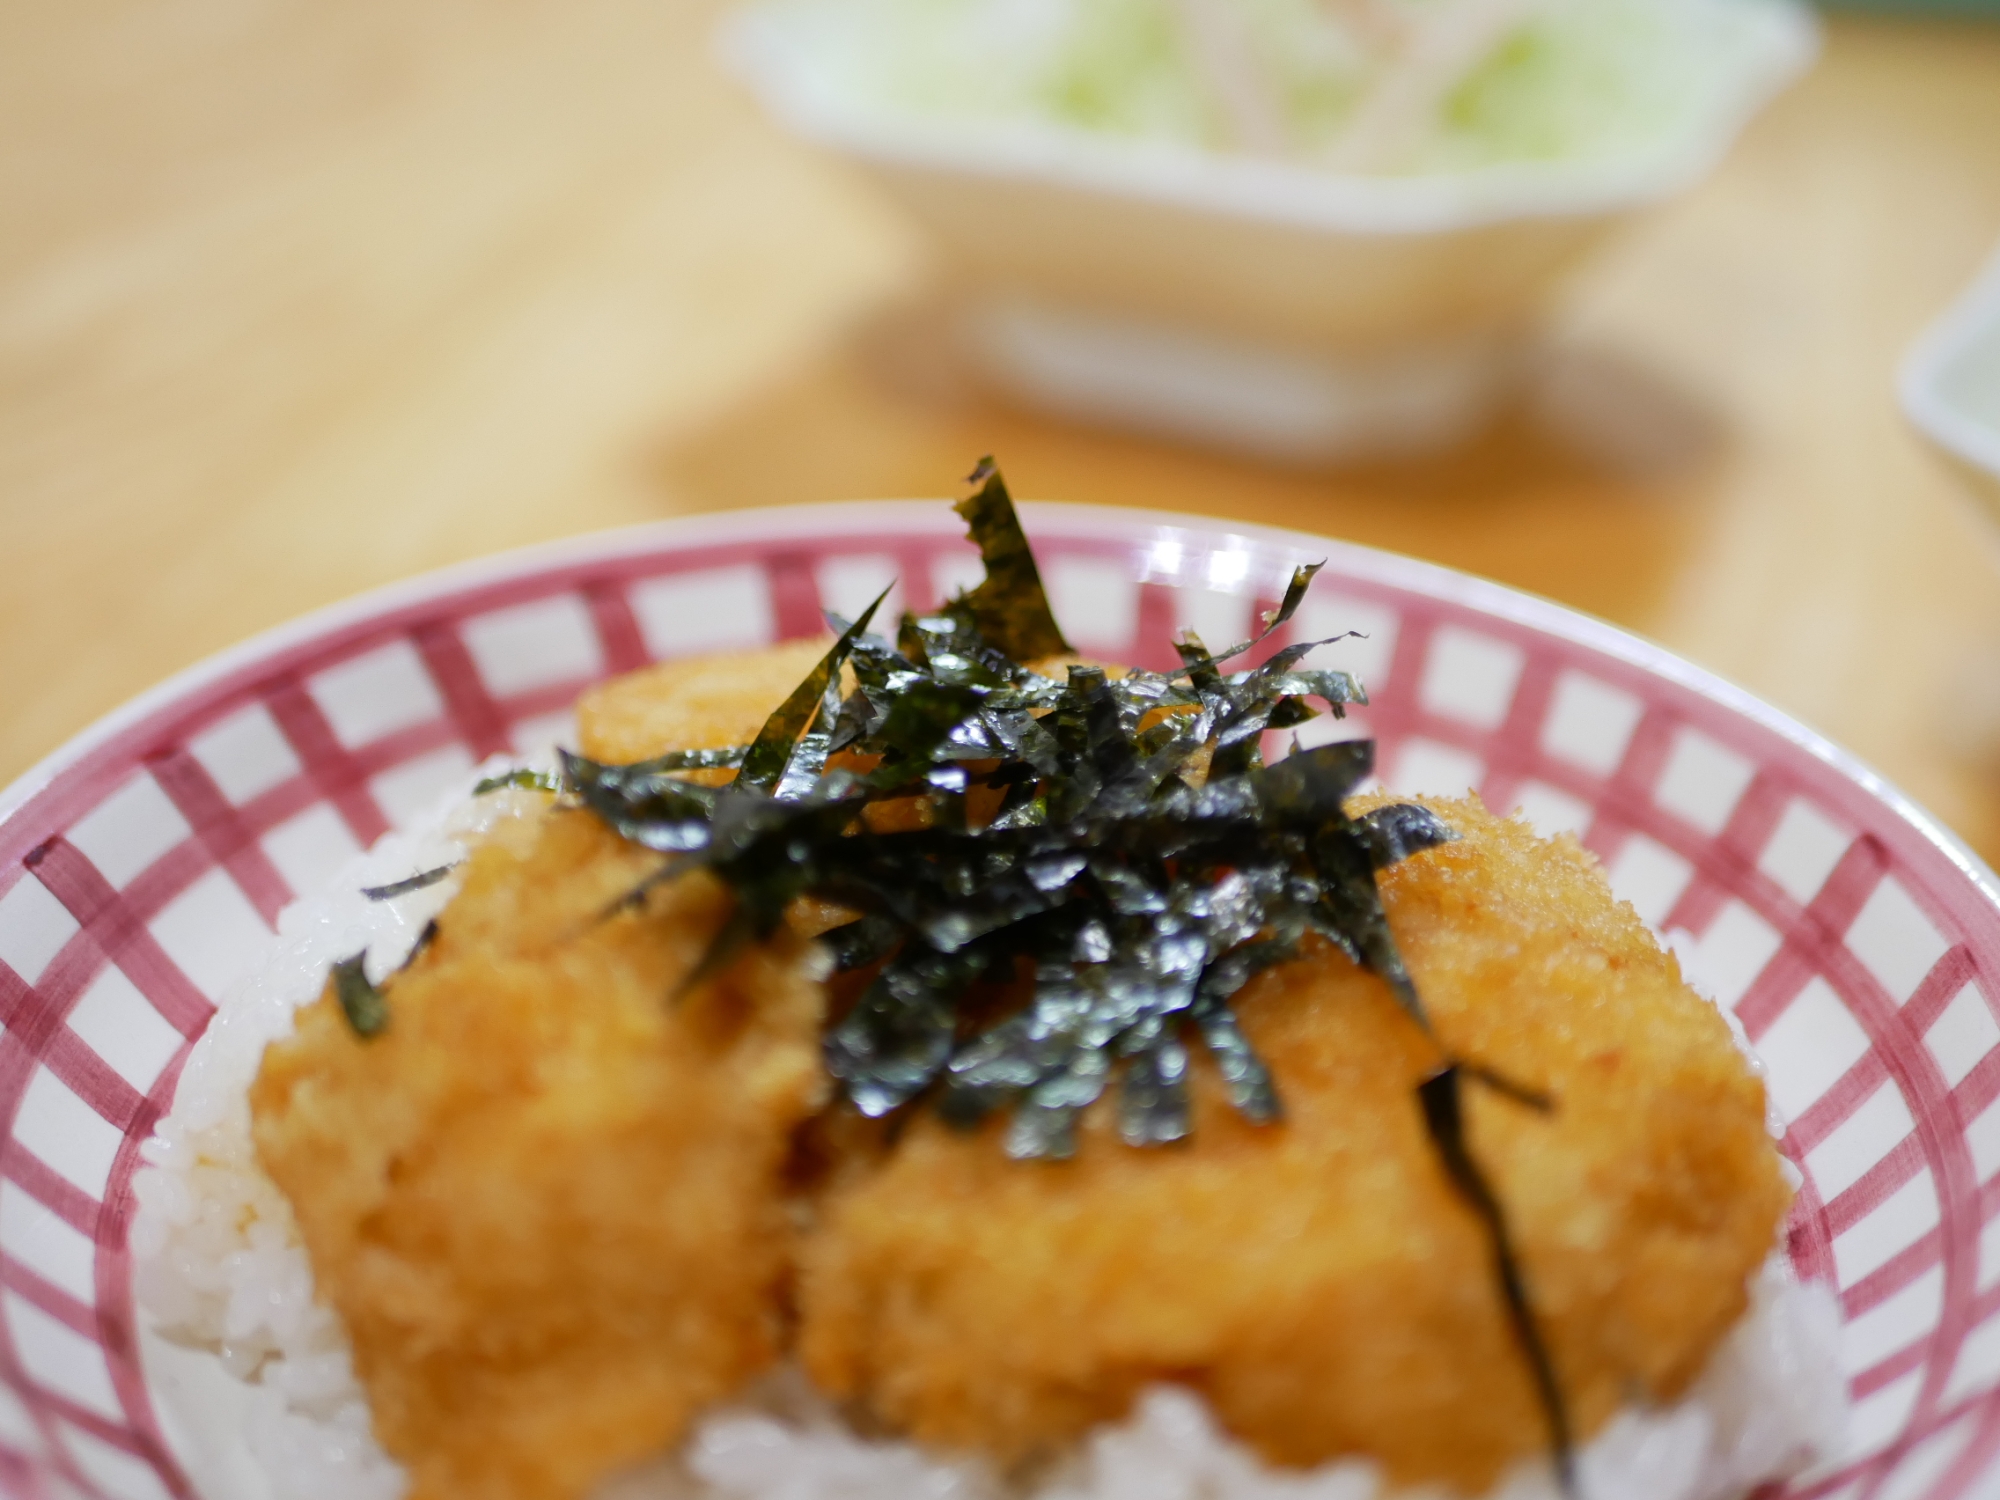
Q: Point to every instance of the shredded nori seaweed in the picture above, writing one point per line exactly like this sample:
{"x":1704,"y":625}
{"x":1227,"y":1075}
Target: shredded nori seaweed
{"x":416,"y":882}
{"x":421,"y":946}
{"x":1444,"y":1119}
{"x":365,"y":1006}
{"x":538,"y":781}
{"x":1009,"y":609}
{"x":1118,"y":838}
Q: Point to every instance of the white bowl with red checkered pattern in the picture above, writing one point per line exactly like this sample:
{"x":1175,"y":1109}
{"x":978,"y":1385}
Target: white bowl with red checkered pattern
{"x":142,"y":867}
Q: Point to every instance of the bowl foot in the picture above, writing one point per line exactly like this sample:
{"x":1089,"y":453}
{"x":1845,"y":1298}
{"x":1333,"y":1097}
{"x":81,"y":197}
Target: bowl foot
{"x":1296,"y":405}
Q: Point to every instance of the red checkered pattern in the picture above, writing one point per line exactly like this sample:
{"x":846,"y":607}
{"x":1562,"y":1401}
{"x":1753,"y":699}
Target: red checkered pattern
{"x":1856,"y":943}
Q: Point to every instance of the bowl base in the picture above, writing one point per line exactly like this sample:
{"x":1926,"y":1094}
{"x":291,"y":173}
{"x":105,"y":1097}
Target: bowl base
{"x":1297,"y":405}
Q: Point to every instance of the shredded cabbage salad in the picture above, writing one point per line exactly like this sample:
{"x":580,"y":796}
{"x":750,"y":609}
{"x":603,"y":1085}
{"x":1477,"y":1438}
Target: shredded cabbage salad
{"x":1369,"y":86}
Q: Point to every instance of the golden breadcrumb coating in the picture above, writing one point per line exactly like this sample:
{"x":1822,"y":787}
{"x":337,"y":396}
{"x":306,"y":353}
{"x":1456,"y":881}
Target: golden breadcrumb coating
{"x":1319,"y":1281}
{"x":547,"y":1200}
{"x":703,"y":703}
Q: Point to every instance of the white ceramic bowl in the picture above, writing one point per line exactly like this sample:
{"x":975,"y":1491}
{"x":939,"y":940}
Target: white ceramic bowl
{"x":1950,"y":385}
{"x":142,"y":868}
{"x":1255,"y":304}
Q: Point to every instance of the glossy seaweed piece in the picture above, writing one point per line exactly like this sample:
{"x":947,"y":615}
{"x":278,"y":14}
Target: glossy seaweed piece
{"x":416,"y":882}
{"x":519,"y":776}
{"x":650,"y":808}
{"x":862,"y":942}
{"x":421,"y":946}
{"x":727,"y":758}
{"x":1009,"y":609}
{"x":365,"y":1006}
{"x":778,"y":743}
{"x":1441,"y":1096}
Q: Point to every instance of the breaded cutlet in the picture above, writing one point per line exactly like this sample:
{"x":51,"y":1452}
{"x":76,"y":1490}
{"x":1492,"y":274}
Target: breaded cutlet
{"x":548,"y":1199}
{"x":1318,"y":1280}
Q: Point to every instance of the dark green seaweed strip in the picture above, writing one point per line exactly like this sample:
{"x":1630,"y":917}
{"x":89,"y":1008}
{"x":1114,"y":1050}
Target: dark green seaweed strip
{"x":737,"y":932}
{"x":422,"y":945}
{"x":694,"y":760}
{"x":765,"y":761}
{"x":1009,"y":606}
{"x":635,"y":898}
{"x":521,"y":776}
{"x":1295,"y":594}
{"x":1539,"y":1100}
{"x":658,"y":811}
{"x":860,"y":943}
{"x":1444,"y":1118}
{"x":403,"y":887}
{"x":366,"y":1008}
{"x":1142,"y":874}
{"x":1395,"y":832}
{"x":899,"y":1034}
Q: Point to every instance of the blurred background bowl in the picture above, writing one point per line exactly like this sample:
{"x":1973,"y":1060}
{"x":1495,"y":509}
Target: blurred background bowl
{"x":1251,"y":301}
{"x":1950,"y":386}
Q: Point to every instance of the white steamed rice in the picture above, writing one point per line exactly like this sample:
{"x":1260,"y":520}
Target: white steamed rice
{"x":222,"y":1273}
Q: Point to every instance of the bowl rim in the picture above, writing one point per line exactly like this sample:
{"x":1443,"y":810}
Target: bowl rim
{"x":370,"y":611}
{"x":1154,"y":547}
{"x":1972,"y":320}
{"x":752,"y":45}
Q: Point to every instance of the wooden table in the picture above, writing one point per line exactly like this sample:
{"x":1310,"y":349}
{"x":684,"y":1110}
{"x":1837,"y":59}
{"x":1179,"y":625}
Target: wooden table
{"x":298,"y":298}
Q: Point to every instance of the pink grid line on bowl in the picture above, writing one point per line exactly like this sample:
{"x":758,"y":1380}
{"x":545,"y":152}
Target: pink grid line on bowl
{"x":141,"y":869}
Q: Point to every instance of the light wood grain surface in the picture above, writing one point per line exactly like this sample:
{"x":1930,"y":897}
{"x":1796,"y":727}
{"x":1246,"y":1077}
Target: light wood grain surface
{"x":299,"y":298}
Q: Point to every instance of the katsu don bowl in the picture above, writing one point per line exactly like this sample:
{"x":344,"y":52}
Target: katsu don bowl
{"x":144,"y":871}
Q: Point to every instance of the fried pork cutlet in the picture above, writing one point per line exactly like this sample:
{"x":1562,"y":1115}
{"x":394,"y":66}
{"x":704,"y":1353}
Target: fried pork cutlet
{"x":1319,"y":1280}
{"x":545,"y":1200}
{"x":550,"y":1206}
